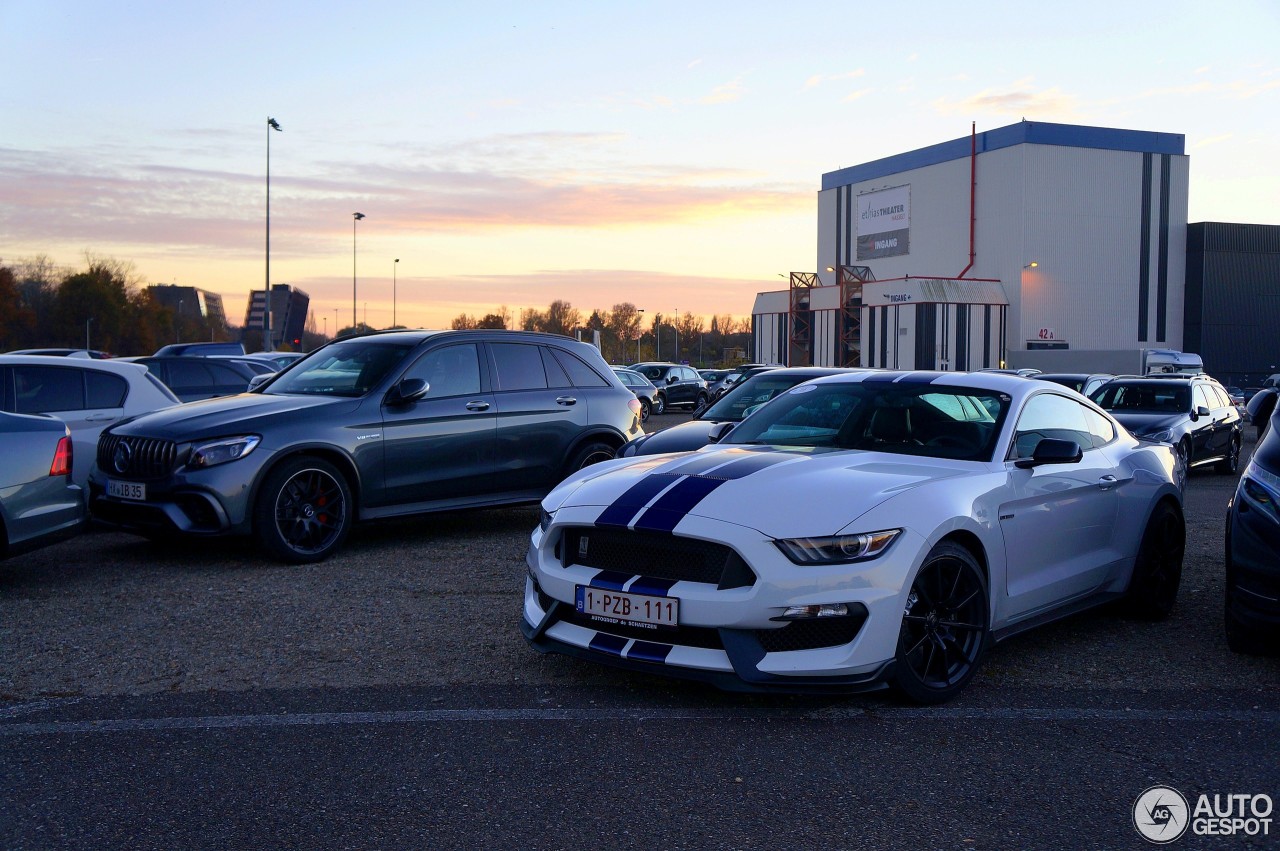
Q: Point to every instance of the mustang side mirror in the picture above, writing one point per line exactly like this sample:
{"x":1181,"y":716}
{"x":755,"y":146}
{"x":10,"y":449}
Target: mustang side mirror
{"x":1052,"y":451}
{"x":717,"y":432}
{"x":407,"y":391}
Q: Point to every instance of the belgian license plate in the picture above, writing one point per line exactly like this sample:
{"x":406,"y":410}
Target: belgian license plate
{"x":640,"y":610}
{"x":126,"y":490}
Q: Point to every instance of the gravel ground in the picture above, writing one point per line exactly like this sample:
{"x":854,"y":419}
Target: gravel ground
{"x":436,"y":600}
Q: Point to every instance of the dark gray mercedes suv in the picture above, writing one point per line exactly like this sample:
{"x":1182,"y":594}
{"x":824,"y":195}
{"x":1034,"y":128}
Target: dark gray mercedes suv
{"x":376,"y":426}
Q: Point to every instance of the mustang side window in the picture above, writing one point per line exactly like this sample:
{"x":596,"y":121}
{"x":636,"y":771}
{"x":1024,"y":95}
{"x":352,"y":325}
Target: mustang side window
{"x":1048,"y":415}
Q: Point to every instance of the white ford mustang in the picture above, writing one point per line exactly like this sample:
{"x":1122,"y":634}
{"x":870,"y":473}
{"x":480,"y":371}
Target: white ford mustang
{"x":861,"y":530}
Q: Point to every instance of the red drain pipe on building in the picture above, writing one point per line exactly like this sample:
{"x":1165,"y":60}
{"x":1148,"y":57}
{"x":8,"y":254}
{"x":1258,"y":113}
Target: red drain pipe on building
{"x":973,"y":190}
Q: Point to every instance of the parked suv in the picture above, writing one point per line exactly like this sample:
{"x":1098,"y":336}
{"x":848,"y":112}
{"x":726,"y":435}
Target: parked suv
{"x":677,"y":385}
{"x":1193,"y":412}
{"x":382,"y":425}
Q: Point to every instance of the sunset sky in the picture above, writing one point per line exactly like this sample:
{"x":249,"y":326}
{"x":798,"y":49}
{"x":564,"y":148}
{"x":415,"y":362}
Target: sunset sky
{"x":663,"y":153}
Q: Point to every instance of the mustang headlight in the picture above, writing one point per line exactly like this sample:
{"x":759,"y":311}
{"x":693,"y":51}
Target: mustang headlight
{"x":837,"y":549}
{"x":221,"y":451}
{"x":544,"y":518}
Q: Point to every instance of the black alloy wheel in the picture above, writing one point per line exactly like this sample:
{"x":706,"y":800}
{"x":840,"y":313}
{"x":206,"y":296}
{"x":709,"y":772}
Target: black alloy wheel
{"x":1157,"y":569}
{"x":660,"y":404}
{"x":591,"y":453}
{"x":1231,"y":462}
{"x":646,"y":408}
{"x":945,"y":627}
{"x":304,"y":511}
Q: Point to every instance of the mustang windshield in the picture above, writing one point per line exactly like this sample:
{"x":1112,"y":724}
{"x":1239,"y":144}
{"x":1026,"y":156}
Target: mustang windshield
{"x":909,"y":419}
{"x":352,"y":368}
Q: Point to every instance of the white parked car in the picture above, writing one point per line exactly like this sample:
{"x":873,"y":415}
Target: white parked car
{"x":859,"y":530}
{"x":88,"y":395}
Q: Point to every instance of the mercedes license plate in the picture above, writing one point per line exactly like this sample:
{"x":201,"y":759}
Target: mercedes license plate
{"x":640,"y":610}
{"x":126,"y":490}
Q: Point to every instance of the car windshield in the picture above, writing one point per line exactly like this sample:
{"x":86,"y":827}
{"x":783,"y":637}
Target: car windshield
{"x":351,"y":368}
{"x":1148,"y":398}
{"x":908,"y":419}
{"x":733,"y":406}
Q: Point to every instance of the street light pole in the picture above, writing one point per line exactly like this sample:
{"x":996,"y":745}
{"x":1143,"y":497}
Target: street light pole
{"x":355,"y":218}
{"x":87,"y":322}
{"x":178,"y":324}
{"x":394,"y":267}
{"x":272,"y":124}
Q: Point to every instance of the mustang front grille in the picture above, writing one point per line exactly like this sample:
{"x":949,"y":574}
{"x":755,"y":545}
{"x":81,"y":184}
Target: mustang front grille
{"x":656,"y":555}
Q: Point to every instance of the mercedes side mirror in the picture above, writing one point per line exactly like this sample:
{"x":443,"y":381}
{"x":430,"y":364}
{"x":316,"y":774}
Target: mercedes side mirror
{"x":407,"y":391}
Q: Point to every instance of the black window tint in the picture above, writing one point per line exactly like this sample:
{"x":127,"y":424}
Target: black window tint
{"x":106,"y":390}
{"x":450,"y":371}
{"x":41,"y":389}
{"x":519,"y":367}
{"x":582,"y":375}
{"x":193,"y":374}
{"x":556,"y":376}
{"x":1100,"y":427}
{"x":225,"y":376}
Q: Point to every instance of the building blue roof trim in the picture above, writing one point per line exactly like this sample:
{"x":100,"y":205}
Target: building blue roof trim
{"x":1022,"y":133}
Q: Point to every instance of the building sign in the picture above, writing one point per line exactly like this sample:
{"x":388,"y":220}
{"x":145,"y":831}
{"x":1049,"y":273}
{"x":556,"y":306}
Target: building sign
{"x":902,"y":291}
{"x":884,"y":223}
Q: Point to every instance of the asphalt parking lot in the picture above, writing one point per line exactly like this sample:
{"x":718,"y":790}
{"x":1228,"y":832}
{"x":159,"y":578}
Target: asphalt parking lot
{"x":413,"y":628}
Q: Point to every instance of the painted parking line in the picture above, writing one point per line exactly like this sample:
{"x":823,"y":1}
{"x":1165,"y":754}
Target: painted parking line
{"x":452,"y":716}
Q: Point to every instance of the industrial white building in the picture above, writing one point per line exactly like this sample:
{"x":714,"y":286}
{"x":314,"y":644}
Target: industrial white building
{"x":1009,"y":247}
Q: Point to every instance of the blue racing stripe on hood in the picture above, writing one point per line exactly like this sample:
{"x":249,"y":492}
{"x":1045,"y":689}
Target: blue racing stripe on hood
{"x":622,"y":509}
{"x":668,"y":511}
{"x":611,"y":580}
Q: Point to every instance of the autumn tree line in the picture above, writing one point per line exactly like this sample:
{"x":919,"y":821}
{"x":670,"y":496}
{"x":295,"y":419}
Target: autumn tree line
{"x":107,"y":306}
{"x":629,"y":335}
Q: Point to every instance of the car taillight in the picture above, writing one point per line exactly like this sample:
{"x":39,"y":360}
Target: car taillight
{"x":635,"y":406}
{"x":61,"y":465}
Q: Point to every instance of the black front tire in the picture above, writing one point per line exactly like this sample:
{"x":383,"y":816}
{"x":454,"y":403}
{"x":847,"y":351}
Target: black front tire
{"x":1157,"y":569}
{"x":304,"y":511}
{"x":591,"y":453}
{"x":646,"y":408}
{"x":946,"y":627}
{"x":660,"y":404}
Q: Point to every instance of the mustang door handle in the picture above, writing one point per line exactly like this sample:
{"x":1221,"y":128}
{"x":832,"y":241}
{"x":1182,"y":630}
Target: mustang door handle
{"x":1108,"y":482}
{"x":566,"y":400}
{"x":477,"y":406}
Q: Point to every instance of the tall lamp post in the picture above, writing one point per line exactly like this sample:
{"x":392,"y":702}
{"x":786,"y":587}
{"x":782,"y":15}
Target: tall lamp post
{"x":639,"y":334}
{"x":272,"y":124}
{"x":355,"y":218}
{"x":87,"y":323}
{"x":394,"y":267}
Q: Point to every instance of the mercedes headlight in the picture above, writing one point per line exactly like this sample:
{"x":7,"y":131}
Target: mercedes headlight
{"x":837,"y":549}
{"x":221,"y":451}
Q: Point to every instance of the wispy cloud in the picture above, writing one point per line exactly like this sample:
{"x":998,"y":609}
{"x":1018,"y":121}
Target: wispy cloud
{"x":1019,"y":99}
{"x":856,"y":95}
{"x":1213,"y":140}
{"x":725,"y":93}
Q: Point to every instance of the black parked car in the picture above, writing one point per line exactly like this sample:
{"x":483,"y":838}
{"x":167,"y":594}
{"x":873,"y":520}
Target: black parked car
{"x":1252,"y":606}
{"x":376,"y":426}
{"x":192,"y":378}
{"x":677,"y":385}
{"x":1192,"y":412}
{"x":1261,"y":406}
{"x":730,"y":408}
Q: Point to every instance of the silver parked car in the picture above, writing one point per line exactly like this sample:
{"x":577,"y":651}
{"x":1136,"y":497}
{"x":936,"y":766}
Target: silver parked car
{"x":38,"y":501}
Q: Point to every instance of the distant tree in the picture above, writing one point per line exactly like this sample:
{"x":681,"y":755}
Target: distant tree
{"x":16,"y":322}
{"x":689,"y":328}
{"x":533,"y":320}
{"x":463,"y":322}
{"x":491,"y":320}
{"x":562,"y":318}
{"x":624,"y":326}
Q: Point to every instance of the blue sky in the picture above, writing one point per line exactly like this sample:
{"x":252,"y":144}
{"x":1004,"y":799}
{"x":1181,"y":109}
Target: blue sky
{"x":667,"y":154}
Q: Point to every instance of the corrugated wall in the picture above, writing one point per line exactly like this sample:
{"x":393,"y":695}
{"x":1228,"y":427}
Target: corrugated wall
{"x":1233,"y":293}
